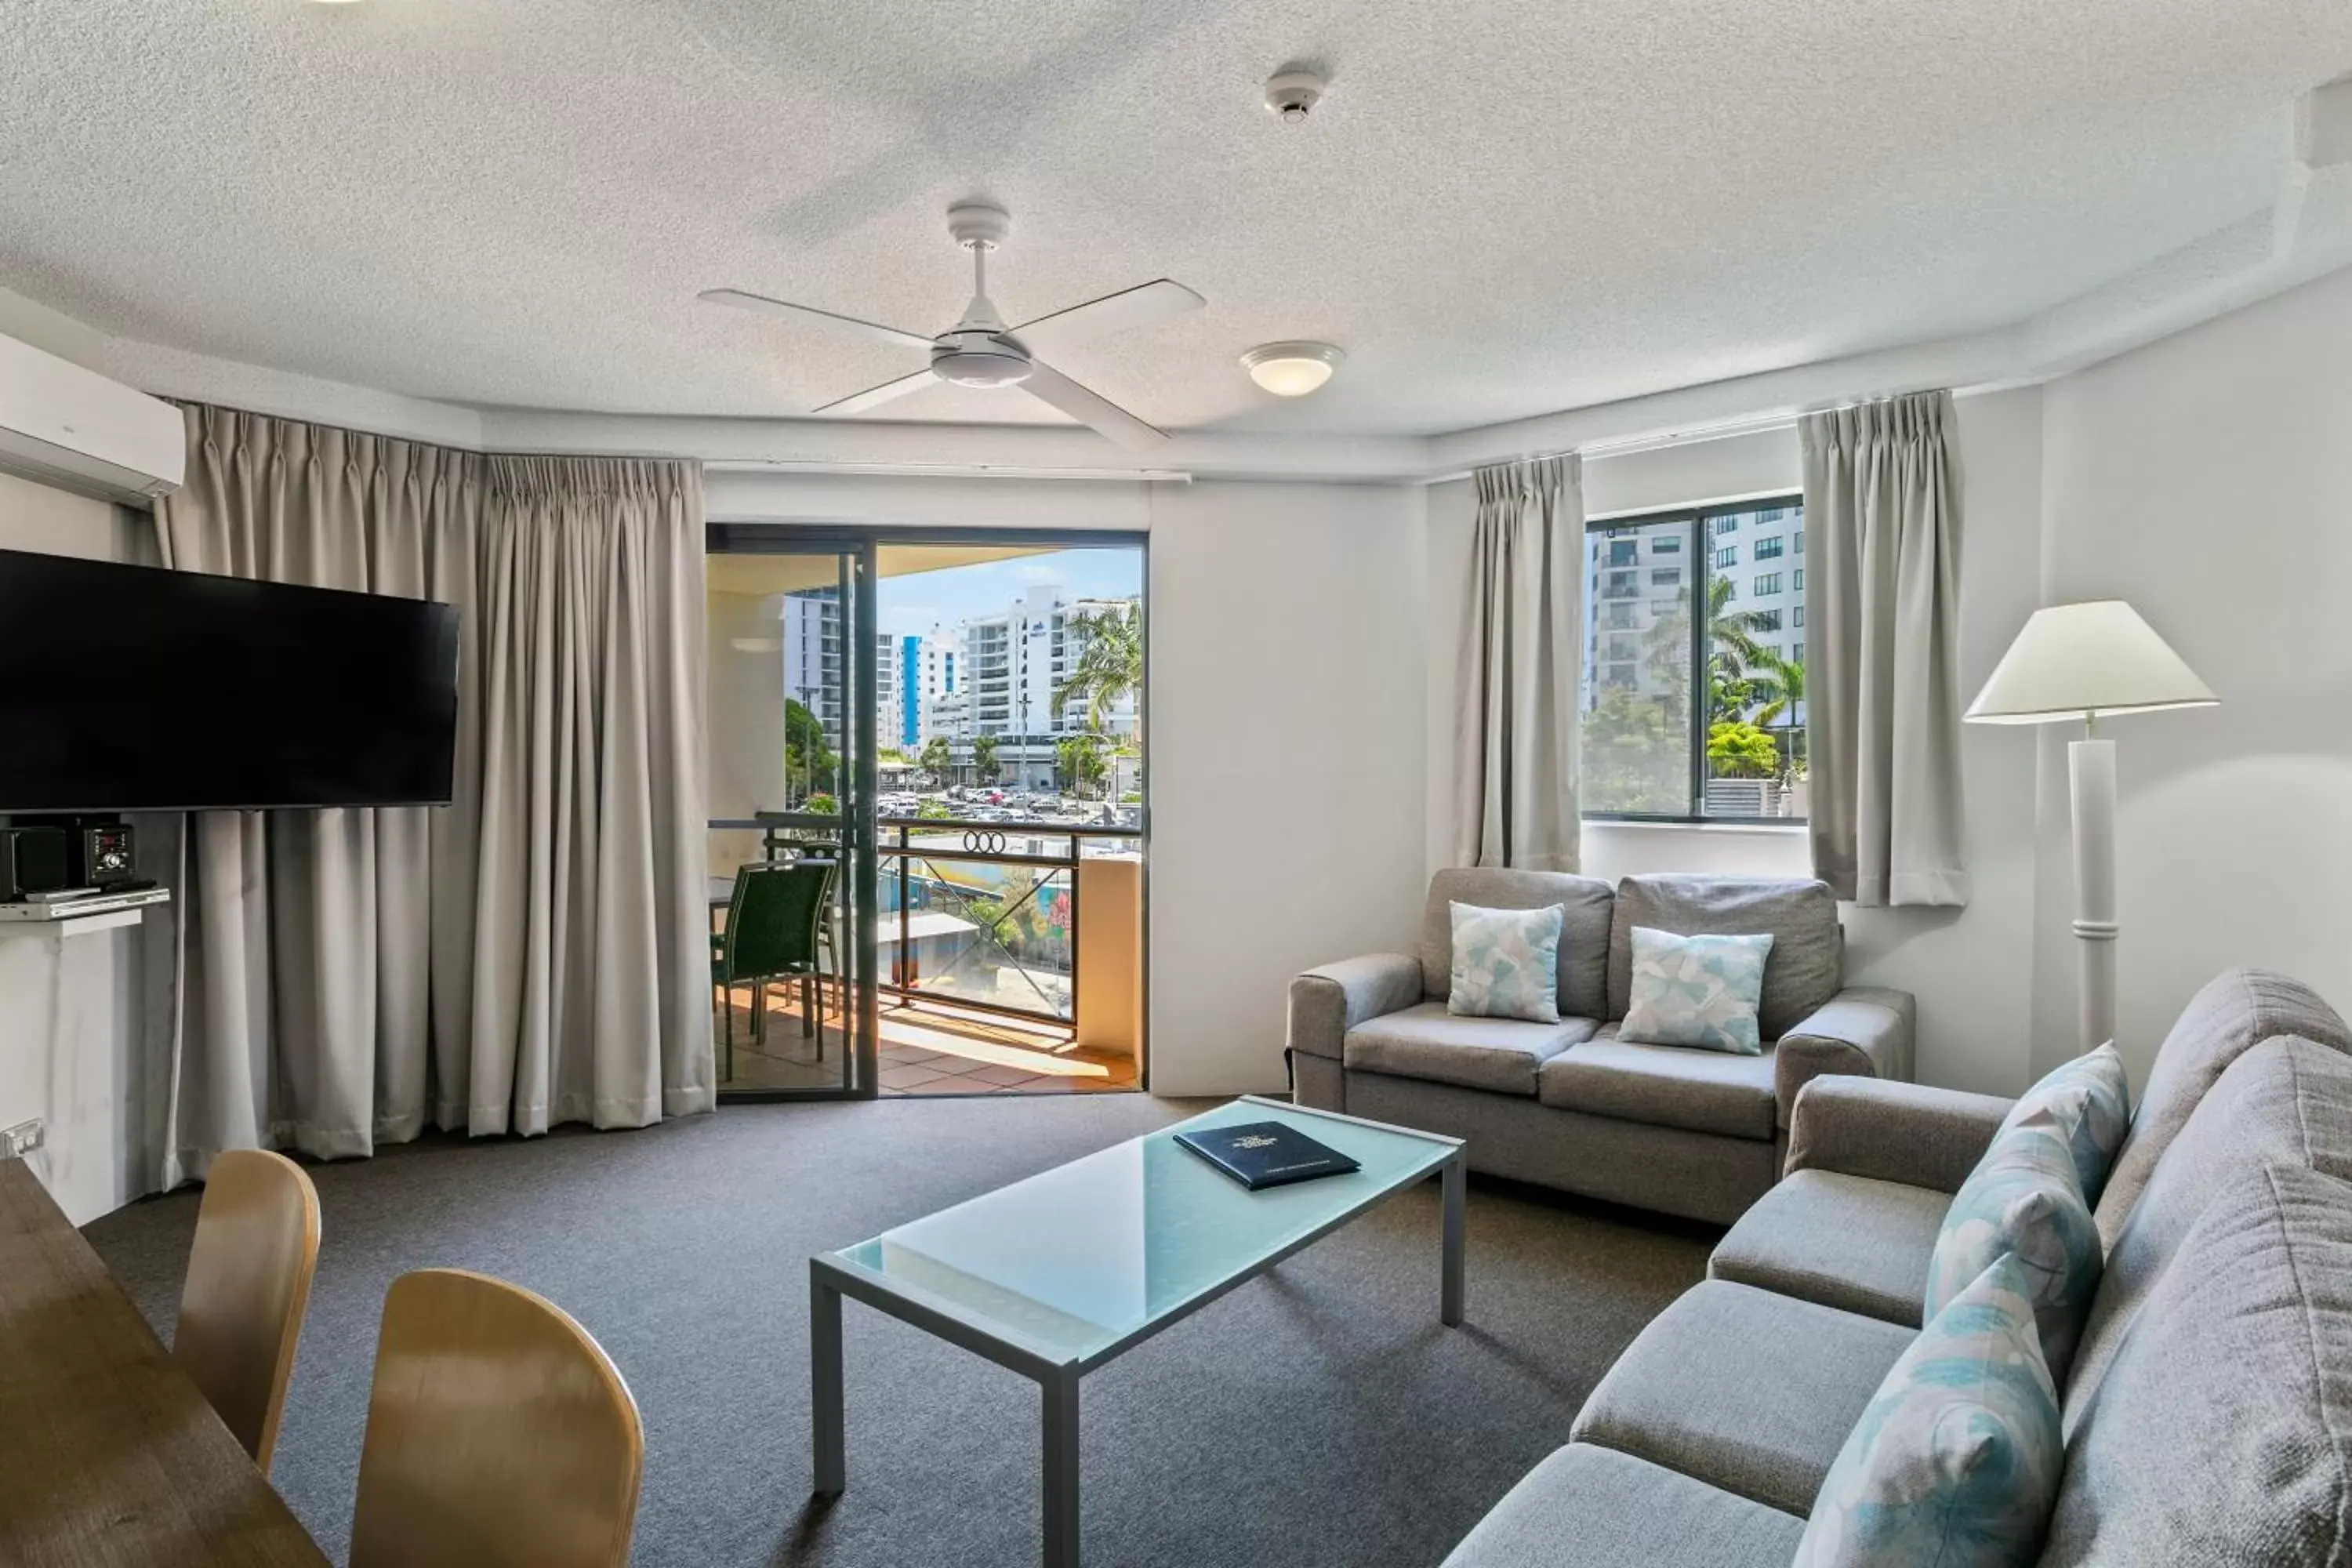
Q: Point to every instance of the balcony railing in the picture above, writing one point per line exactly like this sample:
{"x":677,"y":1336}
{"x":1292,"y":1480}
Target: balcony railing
{"x":983,"y":915}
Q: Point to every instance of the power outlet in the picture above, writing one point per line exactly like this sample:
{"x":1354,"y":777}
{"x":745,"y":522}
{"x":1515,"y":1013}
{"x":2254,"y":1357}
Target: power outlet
{"x":21,"y":1140}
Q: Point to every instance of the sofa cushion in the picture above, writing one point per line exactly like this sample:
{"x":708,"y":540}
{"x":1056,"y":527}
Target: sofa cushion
{"x":1583,"y":938}
{"x":1506,"y":963}
{"x":2090,"y":1099}
{"x":1848,"y":1242}
{"x":1956,"y":1462}
{"x":1663,"y":1086}
{"x":1808,"y":962}
{"x":2222,"y":1431}
{"x":1590,"y":1507}
{"x":2234,"y":1012}
{"x":1745,"y":1390}
{"x":1426,"y":1041}
{"x":1695,"y":991}
{"x":2286,"y":1100}
{"x":2023,"y":1200}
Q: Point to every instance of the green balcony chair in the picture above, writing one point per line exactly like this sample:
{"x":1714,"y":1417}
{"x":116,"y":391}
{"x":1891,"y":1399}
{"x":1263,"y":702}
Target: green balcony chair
{"x":775,"y":920}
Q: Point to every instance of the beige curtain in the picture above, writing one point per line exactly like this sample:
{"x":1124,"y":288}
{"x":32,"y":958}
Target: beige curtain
{"x":519,"y":957}
{"x":1522,"y":649}
{"x":1882,"y":645}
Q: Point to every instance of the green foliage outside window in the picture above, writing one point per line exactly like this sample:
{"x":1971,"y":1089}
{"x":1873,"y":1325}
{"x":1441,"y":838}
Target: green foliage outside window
{"x":1738,"y":750}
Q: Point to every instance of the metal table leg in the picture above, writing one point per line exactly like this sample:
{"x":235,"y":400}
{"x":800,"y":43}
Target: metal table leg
{"x":1061,"y":1456}
{"x":1457,"y":1182}
{"x":824,"y":1386}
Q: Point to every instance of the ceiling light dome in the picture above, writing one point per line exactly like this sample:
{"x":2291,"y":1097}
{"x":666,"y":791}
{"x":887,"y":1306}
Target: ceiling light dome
{"x":1291,"y":369}
{"x":978,"y":358}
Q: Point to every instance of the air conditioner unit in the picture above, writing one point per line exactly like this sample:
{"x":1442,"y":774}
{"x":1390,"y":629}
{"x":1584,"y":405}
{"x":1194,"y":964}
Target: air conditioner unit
{"x":69,"y":426}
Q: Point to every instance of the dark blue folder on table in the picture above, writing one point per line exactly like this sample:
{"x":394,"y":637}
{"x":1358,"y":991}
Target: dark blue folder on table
{"x":1265,"y":1153}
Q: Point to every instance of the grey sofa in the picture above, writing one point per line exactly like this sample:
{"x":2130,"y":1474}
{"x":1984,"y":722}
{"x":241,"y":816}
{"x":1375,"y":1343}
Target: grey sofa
{"x":1569,"y":1105}
{"x":2208,"y":1414}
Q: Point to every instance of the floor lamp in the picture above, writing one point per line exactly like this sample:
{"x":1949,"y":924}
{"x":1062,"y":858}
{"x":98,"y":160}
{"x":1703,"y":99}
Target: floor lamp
{"x":2082,"y":661}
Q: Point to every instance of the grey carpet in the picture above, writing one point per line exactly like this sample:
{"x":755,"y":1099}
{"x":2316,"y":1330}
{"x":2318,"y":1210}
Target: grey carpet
{"x":1318,"y":1418}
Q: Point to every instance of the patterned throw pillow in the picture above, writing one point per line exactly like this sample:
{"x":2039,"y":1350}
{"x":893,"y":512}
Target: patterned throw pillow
{"x":1956,"y":1462}
{"x":1697,"y":991}
{"x":2090,"y":1100}
{"x":2023,"y":1200}
{"x":1506,"y":962}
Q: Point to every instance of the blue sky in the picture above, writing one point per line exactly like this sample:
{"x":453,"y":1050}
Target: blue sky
{"x":918,"y":601}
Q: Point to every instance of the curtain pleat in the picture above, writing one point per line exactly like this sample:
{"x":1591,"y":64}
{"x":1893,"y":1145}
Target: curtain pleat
{"x":349,"y":977}
{"x":1515,"y":760}
{"x":1883,"y":512}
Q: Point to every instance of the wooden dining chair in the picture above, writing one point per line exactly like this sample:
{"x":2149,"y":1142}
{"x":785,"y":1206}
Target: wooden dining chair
{"x":499,"y":1434}
{"x":248,"y":1284}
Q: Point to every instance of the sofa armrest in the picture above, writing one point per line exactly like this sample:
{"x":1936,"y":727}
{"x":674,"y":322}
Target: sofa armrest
{"x":1906,"y":1132}
{"x":1333,"y":998}
{"x":1863,"y":1029}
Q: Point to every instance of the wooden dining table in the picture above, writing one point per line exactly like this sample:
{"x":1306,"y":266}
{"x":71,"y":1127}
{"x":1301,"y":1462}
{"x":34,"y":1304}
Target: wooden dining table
{"x":109,"y":1454}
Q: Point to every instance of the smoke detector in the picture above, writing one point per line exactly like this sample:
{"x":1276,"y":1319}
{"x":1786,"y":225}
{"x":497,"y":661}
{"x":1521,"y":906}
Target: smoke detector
{"x":1291,"y":95}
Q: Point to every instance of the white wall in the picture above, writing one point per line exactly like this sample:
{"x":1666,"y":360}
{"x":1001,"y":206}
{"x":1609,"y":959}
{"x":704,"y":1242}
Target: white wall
{"x":1285,"y":730}
{"x":1286,"y":725}
{"x":70,"y":1009}
{"x":2207,"y":480}
{"x":1971,"y":971}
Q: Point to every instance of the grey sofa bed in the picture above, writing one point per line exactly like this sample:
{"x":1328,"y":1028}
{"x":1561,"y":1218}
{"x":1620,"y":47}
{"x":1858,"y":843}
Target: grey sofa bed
{"x":1569,"y":1105}
{"x":2208,"y":1414}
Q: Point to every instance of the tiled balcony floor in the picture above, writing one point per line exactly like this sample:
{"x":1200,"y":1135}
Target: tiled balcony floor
{"x":927,"y":1047}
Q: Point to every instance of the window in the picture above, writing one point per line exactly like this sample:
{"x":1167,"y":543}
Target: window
{"x":1801,"y":542}
{"x":1637,"y":696}
{"x":1798,"y":580}
{"x":1685,"y":715}
{"x":1621,"y":551}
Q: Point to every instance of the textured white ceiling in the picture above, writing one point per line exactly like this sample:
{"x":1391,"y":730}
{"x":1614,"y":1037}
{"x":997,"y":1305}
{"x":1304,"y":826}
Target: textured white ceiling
{"x":1503,"y":207}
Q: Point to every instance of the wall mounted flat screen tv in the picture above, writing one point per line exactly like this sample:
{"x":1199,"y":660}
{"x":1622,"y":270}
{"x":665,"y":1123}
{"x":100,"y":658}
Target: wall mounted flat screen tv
{"x":134,"y":689}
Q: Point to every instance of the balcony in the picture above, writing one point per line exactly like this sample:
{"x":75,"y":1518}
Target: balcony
{"x":1010,"y":958}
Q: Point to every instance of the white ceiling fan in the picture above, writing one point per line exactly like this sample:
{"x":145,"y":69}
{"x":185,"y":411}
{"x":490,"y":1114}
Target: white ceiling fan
{"x":982,"y":351}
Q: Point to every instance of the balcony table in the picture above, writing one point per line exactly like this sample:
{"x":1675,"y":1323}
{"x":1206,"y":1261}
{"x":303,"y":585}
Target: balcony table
{"x":109,"y":1454}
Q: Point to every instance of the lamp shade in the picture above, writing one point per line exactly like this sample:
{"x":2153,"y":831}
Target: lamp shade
{"x":2072,"y":661}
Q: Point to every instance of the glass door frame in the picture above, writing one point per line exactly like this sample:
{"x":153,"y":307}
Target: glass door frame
{"x":754,"y":537}
{"x":858,"y":833}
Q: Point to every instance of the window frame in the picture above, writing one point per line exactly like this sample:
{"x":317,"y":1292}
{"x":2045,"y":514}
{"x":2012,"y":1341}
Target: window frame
{"x":1703,"y":523}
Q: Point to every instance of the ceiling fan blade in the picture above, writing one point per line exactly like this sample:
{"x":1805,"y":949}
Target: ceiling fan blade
{"x":1087,"y":407}
{"x":1138,"y":306}
{"x":874,"y":396}
{"x":786,"y":308}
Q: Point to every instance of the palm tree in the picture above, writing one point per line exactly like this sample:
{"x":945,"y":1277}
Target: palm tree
{"x":984,"y":758}
{"x":1780,"y":685}
{"x":1110,"y":664}
{"x":1734,"y":653}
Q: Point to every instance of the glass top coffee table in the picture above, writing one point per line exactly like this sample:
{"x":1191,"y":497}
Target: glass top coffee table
{"x":1056,"y":1274}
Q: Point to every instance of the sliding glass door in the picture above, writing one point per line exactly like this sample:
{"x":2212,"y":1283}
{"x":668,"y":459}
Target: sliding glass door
{"x":791,"y":712}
